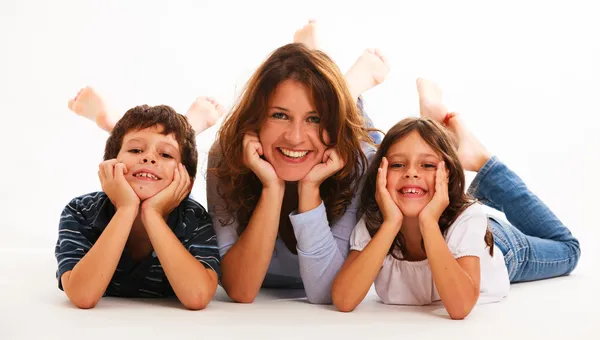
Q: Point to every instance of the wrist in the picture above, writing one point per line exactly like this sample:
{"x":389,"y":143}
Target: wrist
{"x":394,"y":225}
{"x":428,"y":222}
{"x":309,"y":198}
{"x":129,"y":208}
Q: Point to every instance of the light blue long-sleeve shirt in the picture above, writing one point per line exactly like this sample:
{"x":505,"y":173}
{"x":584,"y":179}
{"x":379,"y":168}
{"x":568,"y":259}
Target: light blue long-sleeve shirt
{"x":322,"y":247}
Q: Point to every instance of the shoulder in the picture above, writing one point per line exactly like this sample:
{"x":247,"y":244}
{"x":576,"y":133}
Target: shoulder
{"x":189,"y":206}
{"x":472,"y":221}
{"x":87,"y":206}
{"x":369,"y":150}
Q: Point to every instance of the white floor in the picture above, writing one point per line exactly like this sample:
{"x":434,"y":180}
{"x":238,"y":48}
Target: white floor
{"x":32,"y":307}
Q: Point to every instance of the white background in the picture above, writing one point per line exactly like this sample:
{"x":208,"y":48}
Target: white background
{"x":524,"y":74}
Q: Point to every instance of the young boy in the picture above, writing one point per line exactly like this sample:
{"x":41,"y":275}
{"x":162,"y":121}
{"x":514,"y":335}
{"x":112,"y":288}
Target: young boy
{"x":141,"y":236}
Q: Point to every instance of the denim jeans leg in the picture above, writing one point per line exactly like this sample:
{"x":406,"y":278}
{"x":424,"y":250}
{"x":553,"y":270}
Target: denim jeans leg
{"x":544,"y":244}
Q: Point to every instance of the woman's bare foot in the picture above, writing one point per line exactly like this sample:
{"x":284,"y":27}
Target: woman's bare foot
{"x":204,"y":113}
{"x":471,"y":153}
{"x":368,"y":71}
{"x":87,"y":103}
{"x":430,"y":100}
{"x":308,"y":36}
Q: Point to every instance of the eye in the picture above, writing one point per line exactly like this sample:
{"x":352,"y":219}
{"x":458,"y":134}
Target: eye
{"x":279,"y":115}
{"x":314,"y":119}
{"x":166,"y":155}
{"x":429,"y":166}
{"x":396,"y":165}
{"x":135,"y":151}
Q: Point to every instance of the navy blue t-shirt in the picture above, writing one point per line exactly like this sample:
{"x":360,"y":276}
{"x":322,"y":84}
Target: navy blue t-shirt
{"x":85,"y":218}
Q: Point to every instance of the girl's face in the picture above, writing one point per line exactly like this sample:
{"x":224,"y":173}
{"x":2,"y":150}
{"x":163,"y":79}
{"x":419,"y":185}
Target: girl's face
{"x":412,"y":165}
{"x":290,"y":134}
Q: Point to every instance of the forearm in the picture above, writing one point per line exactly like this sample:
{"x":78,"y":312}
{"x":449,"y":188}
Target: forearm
{"x":246,"y":263}
{"x":361,"y":268}
{"x":87,"y":282}
{"x":193,"y":284}
{"x":309,"y":197}
{"x":456,"y":288}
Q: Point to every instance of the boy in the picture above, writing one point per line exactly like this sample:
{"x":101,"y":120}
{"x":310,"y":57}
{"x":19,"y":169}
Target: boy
{"x":142,"y":236}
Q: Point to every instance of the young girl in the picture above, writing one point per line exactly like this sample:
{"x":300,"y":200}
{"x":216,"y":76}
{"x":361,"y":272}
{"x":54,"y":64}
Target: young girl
{"x":422,"y":239}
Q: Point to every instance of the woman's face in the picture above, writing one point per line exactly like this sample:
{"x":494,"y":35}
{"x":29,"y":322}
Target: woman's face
{"x":290,"y":134}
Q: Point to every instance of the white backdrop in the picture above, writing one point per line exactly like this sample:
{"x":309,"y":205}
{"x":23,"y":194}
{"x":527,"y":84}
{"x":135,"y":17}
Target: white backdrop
{"x":524,"y":74}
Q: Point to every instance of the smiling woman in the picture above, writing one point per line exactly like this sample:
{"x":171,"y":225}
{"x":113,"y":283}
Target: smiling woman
{"x":285,"y":171}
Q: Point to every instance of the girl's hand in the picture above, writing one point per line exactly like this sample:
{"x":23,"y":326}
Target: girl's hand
{"x":384,"y":199}
{"x":440,"y":200}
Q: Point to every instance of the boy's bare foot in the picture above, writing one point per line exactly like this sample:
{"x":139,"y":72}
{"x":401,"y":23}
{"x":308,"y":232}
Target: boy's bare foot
{"x":204,"y":113}
{"x":89,"y":104}
{"x":471,"y":153}
{"x":308,"y":36}
{"x":430,"y":100}
{"x":368,"y":71}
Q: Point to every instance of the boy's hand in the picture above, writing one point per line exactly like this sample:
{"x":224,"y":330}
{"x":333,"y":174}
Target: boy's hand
{"x":116,"y":187}
{"x":170,"y":197}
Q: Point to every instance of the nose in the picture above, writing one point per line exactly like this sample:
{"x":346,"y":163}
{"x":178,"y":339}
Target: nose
{"x":295,"y":132}
{"x":148,"y":158}
{"x":411,"y":172}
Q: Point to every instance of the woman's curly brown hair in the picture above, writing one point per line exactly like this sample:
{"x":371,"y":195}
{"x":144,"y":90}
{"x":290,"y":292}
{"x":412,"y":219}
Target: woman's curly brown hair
{"x":442,"y":142}
{"x":239,"y":187}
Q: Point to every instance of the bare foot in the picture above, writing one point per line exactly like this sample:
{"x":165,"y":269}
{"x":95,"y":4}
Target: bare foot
{"x":87,"y":103}
{"x":368,"y":71}
{"x":430,"y":100}
{"x":204,"y":113}
{"x":308,"y":36}
{"x":471,"y":153}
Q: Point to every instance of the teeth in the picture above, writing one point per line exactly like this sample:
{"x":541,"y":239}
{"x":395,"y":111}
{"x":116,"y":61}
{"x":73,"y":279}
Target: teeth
{"x":144,"y":174}
{"x":412,"y":191}
{"x":293,"y":154}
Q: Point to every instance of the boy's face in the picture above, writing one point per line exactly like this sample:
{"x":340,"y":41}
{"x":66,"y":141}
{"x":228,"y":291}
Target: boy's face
{"x":150,"y":158}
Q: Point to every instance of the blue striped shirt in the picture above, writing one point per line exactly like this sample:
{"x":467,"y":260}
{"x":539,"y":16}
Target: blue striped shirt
{"x":85,"y":218}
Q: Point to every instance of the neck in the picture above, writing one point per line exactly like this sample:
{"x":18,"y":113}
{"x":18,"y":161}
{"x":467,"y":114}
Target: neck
{"x":412,"y":238}
{"x":410,"y":229}
{"x":138,"y":225}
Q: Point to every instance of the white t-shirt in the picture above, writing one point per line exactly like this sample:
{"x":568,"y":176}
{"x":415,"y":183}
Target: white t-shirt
{"x":411,"y":283}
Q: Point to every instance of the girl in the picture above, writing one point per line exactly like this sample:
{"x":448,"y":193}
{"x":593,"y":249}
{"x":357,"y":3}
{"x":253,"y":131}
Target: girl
{"x":422,"y":239}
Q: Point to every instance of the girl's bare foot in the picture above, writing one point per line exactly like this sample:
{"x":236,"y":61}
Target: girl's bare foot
{"x":204,"y":113}
{"x":87,"y":103}
{"x":308,"y":36}
{"x":471,"y":153}
{"x":430,"y":100}
{"x":368,"y":71}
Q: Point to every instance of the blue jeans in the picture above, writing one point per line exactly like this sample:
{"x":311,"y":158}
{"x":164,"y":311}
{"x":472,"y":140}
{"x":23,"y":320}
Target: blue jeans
{"x":536,"y":244}
{"x":375,"y":136}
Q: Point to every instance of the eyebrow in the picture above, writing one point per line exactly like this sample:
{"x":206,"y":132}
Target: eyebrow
{"x":420,"y":155}
{"x":286,"y":110}
{"x":141,"y":140}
